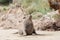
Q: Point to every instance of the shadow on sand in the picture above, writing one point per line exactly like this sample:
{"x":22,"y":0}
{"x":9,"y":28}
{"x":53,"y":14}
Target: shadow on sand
{"x":37,"y":35}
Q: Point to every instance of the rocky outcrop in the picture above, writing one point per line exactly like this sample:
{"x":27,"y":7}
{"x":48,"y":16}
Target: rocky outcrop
{"x":46,"y":21}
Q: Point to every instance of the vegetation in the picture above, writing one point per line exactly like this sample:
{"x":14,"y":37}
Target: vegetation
{"x":4,"y":2}
{"x":32,"y":6}
{"x":36,"y":6}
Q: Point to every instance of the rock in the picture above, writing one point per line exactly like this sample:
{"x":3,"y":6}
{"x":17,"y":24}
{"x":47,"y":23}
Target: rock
{"x":46,"y":21}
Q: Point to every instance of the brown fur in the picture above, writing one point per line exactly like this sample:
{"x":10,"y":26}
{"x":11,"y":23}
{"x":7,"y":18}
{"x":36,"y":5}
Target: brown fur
{"x":28,"y":28}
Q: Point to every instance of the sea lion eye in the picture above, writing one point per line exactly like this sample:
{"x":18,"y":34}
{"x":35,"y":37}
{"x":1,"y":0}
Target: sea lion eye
{"x":24,"y":17}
